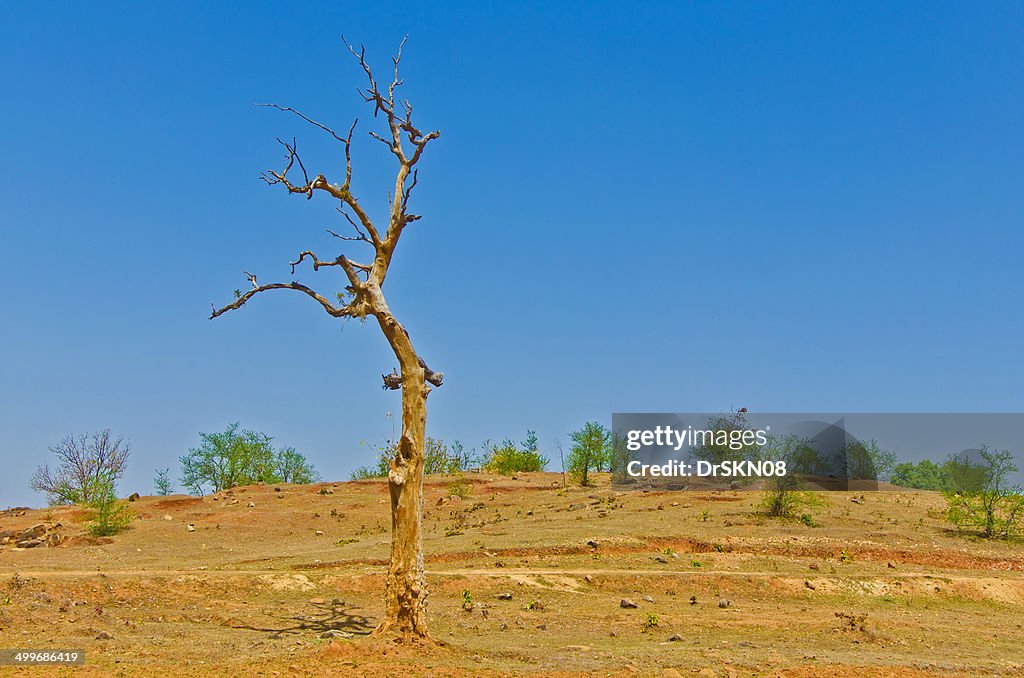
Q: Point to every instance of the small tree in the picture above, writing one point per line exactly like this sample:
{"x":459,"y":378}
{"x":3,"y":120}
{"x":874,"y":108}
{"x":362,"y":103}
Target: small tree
{"x":719,"y":441}
{"x":591,"y":450}
{"x":292,"y":467}
{"x":83,"y":465}
{"x":865,"y":460}
{"x":162,"y":482}
{"x":241,"y":457}
{"x":982,"y":497}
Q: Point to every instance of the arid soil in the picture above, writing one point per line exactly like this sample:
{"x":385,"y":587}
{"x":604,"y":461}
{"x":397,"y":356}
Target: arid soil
{"x":558,"y":582}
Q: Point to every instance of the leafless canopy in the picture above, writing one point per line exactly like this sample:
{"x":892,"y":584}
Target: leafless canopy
{"x":84,"y":465}
{"x":365,"y":277}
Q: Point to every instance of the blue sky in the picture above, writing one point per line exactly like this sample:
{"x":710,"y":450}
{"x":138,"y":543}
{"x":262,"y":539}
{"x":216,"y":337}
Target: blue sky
{"x":632,"y":207}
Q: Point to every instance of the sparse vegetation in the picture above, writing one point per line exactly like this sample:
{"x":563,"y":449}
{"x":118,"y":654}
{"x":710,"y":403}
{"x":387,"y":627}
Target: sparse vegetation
{"x":651,"y":622}
{"x":460,"y":488}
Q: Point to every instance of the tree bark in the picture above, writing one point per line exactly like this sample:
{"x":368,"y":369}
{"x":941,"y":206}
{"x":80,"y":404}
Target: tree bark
{"x":405,"y":595}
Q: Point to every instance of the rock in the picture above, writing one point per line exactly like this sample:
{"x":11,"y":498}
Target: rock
{"x":855,"y":500}
{"x":723,"y":603}
{"x":659,"y":559}
{"x":587,"y":578}
{"x":252,"y":504}
{"x":890,"y":565}
{"x":454,"y":498}
{"x":813,"y":566}
{"x":33,"y":532}
{"x":134,"y":496}
{"x":734,"y":485}
{"x":505,"y":595}
{"x":542,"y":627}
{"x":441,"y":501}
{"x":168,"y":517}
{"x":592,"y":544}
{"x":675,"y":638}
{"x":319,"y":533}
{"x":103,"y":635}
{"x":575,"y":507}
{"x":28,"y":543}
{"x":317,"y":601}
{"x":809,"y":585}
{"x":648,"y":599}
{"x":693,"y":600}
{"x":190,"y":527}
{"x":627,"y":603}
{"x":335,"y":633}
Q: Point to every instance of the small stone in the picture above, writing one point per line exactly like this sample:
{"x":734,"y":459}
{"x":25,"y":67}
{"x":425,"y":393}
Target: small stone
{"x":319,"y":533}
{"x":505,"y":595}
{"x":252,"y":504}
{"x":890,"y":565}
{"x":134,"y":496}
{"x":317,"y":601}
{"x":542,"y":627}
{"x":103,"y":635}
{"x":587,"y":578}
{"x":168,"y":517}
{"x":335,"y":633}
{"x":723,"y":603}
{"x":648,"y":599}
{"x":190,"y":527}
{"x":675,"y":638}
{"x":813,"y":566}
{"x":627,"y":603}
{"x":592,"y":544}
{"x":693,"y":600}
{"x":809,"y":585}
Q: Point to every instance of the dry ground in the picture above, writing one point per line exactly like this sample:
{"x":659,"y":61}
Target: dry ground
{"x":253,"y":588}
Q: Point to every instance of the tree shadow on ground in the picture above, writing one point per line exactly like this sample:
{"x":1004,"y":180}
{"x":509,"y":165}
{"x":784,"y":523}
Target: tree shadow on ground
{"x":331,"y":616}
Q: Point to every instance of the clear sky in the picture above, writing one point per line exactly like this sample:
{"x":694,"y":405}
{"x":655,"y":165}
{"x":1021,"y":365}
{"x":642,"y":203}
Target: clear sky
{"x":632,"y":207}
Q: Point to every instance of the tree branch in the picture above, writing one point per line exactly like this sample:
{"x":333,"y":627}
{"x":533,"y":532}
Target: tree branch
{"x":345,"y":311}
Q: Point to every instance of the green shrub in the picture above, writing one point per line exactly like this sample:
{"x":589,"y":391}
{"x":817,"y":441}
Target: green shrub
{"x":508,"y":458}
{"x":460,"y":488}
{"x":109,"y":516}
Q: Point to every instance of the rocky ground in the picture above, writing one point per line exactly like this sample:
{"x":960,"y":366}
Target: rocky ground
{"x":526,"y":578}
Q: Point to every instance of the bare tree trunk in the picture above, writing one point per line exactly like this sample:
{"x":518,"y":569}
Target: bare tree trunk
{"x":406,"y":594}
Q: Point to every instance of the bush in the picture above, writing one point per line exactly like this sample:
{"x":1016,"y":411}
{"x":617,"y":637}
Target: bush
{"x":461,"y":488}
{"x":241,"y":457}
{"x":438,"y":458}
{"x":508,"y":458}
{"x":84,"y":464}
{"x":924,"y":475}
{"x":591,"y":451}
{"x":783,"y":497}
{"x":110,"y":516}
{"x":982,"y":498}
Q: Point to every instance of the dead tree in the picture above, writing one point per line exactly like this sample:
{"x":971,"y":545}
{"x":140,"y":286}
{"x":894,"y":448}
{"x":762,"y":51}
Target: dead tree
{"x":406,"y":591}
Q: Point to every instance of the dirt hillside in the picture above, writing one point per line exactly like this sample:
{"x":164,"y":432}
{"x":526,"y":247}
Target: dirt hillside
{"x":287,"y":580}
